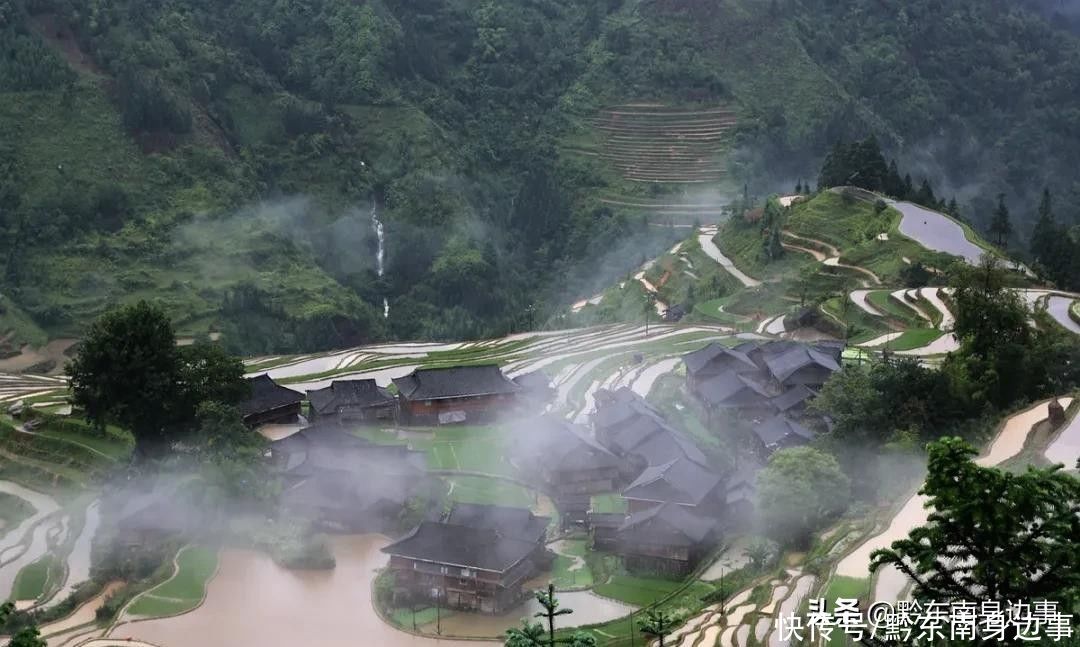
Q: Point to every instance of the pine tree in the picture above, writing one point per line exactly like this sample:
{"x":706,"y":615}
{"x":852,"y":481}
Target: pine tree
{"x":907,"y":189}
{"x":953,"y":209}
{"x":925,"y":195}
{"x":992,"y":535}
{"x":894,"y":184}
{"x":1001,"y":226}
{"x":870,"y":164}
{"x":1045,"y":231}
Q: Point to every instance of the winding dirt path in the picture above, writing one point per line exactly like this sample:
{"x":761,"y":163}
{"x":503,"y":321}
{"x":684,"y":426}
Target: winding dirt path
{"x":830,"y":258}
{"x":835,"y":262}
{"x":705,"y":239}
{"x":831,"y":250}
{"x":818,"y":256}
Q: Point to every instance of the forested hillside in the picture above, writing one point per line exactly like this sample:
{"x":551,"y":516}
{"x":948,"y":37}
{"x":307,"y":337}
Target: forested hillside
{"x":231,"y":159}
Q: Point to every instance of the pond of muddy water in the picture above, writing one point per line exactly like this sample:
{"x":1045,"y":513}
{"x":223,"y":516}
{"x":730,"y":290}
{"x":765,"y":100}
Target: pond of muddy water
{"x":253,"y":601}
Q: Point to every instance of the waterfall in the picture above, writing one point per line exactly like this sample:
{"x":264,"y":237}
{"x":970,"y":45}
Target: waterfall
{"x":380,"y":255}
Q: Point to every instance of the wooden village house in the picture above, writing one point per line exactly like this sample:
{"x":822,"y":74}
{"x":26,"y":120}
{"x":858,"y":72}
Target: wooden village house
{"x":631,"y":428}
{"x":476,"y":560}
{"x":779,"y":432}
{"x":270,"y":403}
{"x":760,"y":379}
{"x":740,"y":492}
{"x":567,"y":463}
{"x":508,"y":521}
{"x":681,"y":482}
{"x":352,"y":401}
{"x":666,"y":539}
{"x":439,"y":396}
{"x":341,"y":482}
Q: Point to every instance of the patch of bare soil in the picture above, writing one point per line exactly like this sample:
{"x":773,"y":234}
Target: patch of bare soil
{"x":59,"y":36}
{"x":47,"y":360}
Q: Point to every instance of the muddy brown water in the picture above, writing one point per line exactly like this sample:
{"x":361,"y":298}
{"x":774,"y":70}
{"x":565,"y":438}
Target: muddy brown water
{"x":85,"y":613}
{"x":253,"y":601}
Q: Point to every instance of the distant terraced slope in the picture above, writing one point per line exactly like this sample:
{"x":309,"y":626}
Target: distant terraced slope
{"x":657,"y":143}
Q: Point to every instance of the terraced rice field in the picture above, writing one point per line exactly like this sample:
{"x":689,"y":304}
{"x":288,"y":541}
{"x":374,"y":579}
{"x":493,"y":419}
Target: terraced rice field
{"x":936,"y":232}
{"x":578,"y":361}
{"x":890,"y":582}
{"x":183,"y":591}
{"x":733,"y":622}
{"x":657,"y":143}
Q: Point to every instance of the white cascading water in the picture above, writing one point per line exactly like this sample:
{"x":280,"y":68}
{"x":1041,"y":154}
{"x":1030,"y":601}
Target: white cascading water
{"x":380,"y":255}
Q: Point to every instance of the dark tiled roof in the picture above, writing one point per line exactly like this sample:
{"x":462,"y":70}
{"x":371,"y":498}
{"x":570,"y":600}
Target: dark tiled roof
{"x":616,"y":407}
{"x":791,"y":398}
{"x":561,"y":445}
{"x":461,"y":546}
{"x":783,"y":364}
{"x":834,"y":349}
{"x":666,"y":446}
{"x":515,"y":523}
{"x":777,"y":428}
{"x":349,"y":393}
{"x":718,"y":390}
{"x":699,"y":359}
{"x":678,"y":481}
{"x":634,"y":432}
{"x":635,"y":427}
{"x":267,"y":395}
{"x":742,"y":484}
{"x":326,"y":446}
{"x":668,"y":524}
{"x":456,"y":382}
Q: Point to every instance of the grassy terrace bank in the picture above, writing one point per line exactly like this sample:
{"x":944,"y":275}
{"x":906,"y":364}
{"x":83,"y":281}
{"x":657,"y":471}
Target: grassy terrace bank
{"x":184,"y":590}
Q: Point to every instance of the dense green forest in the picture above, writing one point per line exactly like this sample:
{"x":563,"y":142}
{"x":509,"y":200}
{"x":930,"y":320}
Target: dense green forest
{"x":227,"y":159}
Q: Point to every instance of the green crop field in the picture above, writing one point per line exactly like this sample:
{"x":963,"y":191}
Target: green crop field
{"x":33,"y":580}
{"x":641,"y":591}
{"x":477,"y":489}
{"x":184,"y":590}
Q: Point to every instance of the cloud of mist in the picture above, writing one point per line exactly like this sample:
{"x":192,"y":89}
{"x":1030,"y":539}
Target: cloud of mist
{"x":253,"y":238}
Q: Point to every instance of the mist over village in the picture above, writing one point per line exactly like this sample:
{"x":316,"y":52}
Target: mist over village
{"x":605,"y":323}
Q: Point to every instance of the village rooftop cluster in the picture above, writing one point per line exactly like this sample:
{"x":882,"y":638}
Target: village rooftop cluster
{"x":474,"y":557}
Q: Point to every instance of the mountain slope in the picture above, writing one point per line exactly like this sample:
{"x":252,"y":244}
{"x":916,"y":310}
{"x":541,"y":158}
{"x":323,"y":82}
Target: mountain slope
{"x":226,"y":157}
